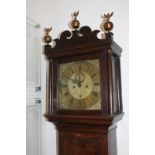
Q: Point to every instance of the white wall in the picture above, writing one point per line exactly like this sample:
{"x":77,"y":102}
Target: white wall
{"x":57,"y":13}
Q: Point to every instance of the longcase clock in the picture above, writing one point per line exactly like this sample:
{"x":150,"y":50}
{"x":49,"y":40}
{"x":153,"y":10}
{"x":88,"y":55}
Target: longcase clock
{"x":84,"y":89}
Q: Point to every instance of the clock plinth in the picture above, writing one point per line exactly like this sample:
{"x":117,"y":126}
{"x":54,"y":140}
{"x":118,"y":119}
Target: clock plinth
{"x":84,"y":92}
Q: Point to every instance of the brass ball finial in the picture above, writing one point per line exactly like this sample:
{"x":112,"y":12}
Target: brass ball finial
{"x":47,"y":37}
{"x":75,"y":23}
{"x":108,"y":25}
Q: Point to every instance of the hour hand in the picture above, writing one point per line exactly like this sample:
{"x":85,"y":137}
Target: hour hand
{"x":74,"y":81}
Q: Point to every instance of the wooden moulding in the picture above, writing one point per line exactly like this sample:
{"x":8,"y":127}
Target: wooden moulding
{"x":80,"y":42}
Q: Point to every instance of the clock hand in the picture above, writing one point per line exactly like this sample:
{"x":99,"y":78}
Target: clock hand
{"x":74,"y":81}
{"x":77,"y":82}
{"x":79,"y":77}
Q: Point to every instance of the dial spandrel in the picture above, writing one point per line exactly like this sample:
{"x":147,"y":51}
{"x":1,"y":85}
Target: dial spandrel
{"x":79,"y":85}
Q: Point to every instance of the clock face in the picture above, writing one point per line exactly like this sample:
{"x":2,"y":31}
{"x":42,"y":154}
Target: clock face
{"x":79,"y":85}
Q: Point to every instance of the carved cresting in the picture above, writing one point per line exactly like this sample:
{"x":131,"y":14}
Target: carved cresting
{"x":79,"y":35}
{"x":84,"y":33}
{"x":77,"y":38}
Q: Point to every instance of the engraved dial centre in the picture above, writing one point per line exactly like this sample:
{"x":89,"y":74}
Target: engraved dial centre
{"x":78,"y":85}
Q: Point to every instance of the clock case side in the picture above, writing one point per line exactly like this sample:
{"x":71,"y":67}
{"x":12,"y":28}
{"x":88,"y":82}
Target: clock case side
{"x":81,"y":42}
{"x":114,"y":82}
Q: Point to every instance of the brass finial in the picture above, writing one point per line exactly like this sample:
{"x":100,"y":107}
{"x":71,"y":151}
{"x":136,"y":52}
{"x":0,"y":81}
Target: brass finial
{"x":75,"y":23}
{"x":108,"y":25}
{"x":47,"y":37}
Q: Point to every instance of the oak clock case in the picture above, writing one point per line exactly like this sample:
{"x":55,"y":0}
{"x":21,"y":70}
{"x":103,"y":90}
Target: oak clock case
{"x":84,"y":98}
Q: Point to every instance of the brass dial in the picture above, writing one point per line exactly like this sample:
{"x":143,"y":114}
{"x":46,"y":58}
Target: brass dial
{"x":79,"y":87}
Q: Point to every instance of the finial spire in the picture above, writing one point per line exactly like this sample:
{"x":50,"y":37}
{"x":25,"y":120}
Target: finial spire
{"x":108,"y":25}
{"x":75,"y":23}
{"x":47,"y":37}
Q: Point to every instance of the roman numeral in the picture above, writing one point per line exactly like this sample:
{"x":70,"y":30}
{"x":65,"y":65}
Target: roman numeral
{"x":72,"y":70}
{"x":70,"y":103}
{"x":67,"y":74}
{"x":91,"y":71}
{"x":87,"y":68}
{"x":66,"y":93}
{"x":96,"y":84}
{"x":93,"y":75}
{"x":95,"y":94}
{"x":71,"y":100}
{"x":64,"y":86}
{"x":87,"y":103}
{"x":68,"y":98}
{"x":80,"y":67}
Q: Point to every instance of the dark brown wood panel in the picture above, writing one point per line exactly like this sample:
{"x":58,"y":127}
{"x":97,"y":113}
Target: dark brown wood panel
{"x":79,"y":146}
{"x":87,"y":140}
{"x":68,"y":146}
{"x":114,"y":84}
{"x":87,"y":146}
{"x":119,"y":85}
